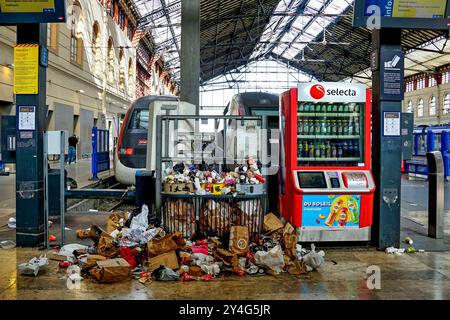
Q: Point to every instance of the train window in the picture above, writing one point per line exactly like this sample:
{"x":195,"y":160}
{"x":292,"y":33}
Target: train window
{"x":139,"y":119}
{"x":264,"y":111}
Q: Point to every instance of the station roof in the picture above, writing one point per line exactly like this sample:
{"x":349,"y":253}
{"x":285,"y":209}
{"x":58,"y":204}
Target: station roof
{"x":313,"y":36}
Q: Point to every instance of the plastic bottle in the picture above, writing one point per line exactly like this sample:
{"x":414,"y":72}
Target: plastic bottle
{"x":311,"y":149}
{"x":357,"y":129}
{"x":333,"y":127}
{"x":333,"y":150}
{"x":324,"y":126}
{"x":300,"y":107}
{"x":328,"y":150}
{"x":345,"y":149}
{"x":341,"y":108}
{"x":351,"y":128}
{"x":340,"y":153}
{"x":299,"y":150}
{"x":317,"y":150}
{"x":300,"y":127}
{"x":340,"y":128}
{"x":324,"y":108}
{"x":351,"y":149}
{"x":346,"y":108}
{"x":323,"y":153}
{"x":329,"y":107}
{"x":317,"y":127}
{"x":356,"y":150}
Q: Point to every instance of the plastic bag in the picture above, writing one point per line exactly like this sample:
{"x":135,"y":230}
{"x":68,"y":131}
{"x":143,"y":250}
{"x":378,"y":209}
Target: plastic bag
{"x":141,"y":220}
{"x":272,"y":259}
{"x":33,"y":266}
{"x":7,"y":244}
{"x":313,"y":260}
{"x":165,"y":274}
{"x":68,"y":249}
{"x":12,"y":223}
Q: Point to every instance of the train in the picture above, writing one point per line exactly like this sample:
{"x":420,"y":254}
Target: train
{"x":130,"y":154}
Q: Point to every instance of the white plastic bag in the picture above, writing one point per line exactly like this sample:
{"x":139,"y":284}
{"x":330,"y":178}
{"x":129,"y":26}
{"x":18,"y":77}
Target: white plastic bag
{"x":33,"y":266}
{"x":314,"y":260}
{"x":68,"y":249}
{"x":272,"y":259}
{"x":141,"y":220}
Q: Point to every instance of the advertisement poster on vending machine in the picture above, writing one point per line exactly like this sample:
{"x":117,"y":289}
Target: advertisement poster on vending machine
{"x":331,"y":211}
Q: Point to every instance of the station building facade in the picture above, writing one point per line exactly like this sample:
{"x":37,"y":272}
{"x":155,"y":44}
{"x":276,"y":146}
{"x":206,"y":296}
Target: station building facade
{"x":94,"y":71}
{"x":428,"y":97}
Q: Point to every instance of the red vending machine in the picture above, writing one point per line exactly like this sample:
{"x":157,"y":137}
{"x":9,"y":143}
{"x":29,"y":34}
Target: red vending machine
{"x":326,"y":184}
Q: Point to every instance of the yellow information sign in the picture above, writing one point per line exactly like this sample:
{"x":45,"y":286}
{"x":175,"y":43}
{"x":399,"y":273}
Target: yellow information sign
{"x":26,"y":69}
{"x":419,"y":8}
{"x":21,"y":6}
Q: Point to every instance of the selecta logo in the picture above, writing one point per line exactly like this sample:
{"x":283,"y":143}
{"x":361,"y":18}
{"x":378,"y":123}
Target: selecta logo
{"x":317,"y":91}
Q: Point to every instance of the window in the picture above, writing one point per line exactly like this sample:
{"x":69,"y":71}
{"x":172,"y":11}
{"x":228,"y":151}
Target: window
{"x":421,"y":84}
{"x":111,"y":8}
{"x":139,"y":119}
{"x":122,"y":19}
{"x":409,"y":86}
{"x":446,"y":77}
{"x":432,"y":106}
{"x":446,"y":109}
{"x":121,"y":71}
{"x":53,"y":33}
{"x":410,"y":106}
{"x":130,"y":32}
{"x":420,"y":108}
{"x":130,"y":78}
{"x":432,"y":81}
{"x":76,"y":36}
{"x":96,"y":49}
{"x":111,"y":61}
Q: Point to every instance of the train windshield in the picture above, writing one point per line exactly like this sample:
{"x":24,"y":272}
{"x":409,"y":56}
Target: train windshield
{"x":268,"y":111}
{"x":139,"y":119}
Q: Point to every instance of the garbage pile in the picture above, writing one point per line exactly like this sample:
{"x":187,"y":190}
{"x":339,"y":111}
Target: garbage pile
{"x":133,"y":247}
{"x":190,"y":178}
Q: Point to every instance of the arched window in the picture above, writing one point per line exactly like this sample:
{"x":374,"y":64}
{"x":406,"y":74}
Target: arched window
{"x":111,"y":61}
{"x":121,"y":71}
{"x":76,"y":35}
{"x":96,"y":49}
{"x":446,"y":109}
{"x":432,"y":106}
{"x":410,"y":106}
{"x":420,"y":108}
{"x":130,"y":77}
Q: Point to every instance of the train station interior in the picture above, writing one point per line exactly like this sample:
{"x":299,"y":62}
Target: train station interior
{"x":225,"y":150}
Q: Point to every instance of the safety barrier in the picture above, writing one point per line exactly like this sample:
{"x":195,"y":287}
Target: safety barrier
{"x":100,"y":152}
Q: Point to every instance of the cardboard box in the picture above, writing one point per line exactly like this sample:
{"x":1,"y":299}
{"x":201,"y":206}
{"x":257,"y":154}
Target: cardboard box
{"x":178,"y":188}
{"x":92,"y":259}
{"x":112,"y":270}
{"x":239,"y":240}
{"x":168,"y":260}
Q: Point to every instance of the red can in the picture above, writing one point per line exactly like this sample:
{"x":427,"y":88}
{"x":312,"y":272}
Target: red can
{"x":64,"y":264}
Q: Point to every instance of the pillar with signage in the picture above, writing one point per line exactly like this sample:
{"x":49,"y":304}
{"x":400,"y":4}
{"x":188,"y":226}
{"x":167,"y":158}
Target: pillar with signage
{"x":386,"y":18}
{"x":30,"y":81}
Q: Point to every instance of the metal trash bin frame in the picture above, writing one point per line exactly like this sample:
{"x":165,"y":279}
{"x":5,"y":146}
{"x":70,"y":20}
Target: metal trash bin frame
{"x":213,"y":215}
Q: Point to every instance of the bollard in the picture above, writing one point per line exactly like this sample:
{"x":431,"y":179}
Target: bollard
{"x":435,"y":195}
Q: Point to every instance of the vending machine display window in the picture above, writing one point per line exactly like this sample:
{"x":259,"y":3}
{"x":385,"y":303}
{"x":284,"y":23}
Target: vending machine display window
{"x":330,"y":134}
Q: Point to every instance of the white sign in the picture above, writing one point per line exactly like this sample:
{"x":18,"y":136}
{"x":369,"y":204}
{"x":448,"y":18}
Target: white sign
{"x":331,"y":92}
{"x":27,"y":118}
{"x":391,"y":124}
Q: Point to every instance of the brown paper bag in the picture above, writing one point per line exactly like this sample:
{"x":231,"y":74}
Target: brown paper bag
{"x":271,"y":223}
{"x":111,"y":270}
{"x":113,"y":222}
{"x":170,"y":242}
{"x":169,"y":260}
{"x":290,"y":244}
{"x":239,"y":240}
{"x":106,"y":247}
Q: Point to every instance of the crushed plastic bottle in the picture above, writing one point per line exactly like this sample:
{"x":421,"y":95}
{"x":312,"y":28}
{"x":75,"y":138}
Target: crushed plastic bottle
{"x":7,"y":244}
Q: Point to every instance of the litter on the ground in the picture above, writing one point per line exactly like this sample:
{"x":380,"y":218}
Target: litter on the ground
{"x":12,"y":223}
{"x":33,"y":266}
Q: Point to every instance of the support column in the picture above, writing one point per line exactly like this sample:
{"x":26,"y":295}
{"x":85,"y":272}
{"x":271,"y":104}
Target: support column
{"x":388,"y":93}
{"x":190,"y":52}
{"x":29,"y":155}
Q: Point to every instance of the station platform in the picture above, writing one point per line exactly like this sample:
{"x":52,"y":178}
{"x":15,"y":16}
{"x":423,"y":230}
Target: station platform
{"x":409,"y":276}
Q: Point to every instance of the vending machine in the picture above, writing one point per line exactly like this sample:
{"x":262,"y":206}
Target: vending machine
{"x":326,"y":184}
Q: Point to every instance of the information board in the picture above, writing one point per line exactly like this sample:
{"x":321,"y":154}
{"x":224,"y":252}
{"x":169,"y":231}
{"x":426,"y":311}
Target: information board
{"x":27,"y":118}
{"x":407,"y":14}
{"x":26,"y":70}
{"x":32,"y":11}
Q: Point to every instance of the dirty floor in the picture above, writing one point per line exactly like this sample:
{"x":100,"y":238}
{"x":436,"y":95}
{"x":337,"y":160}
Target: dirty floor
{"x":415,"y":276}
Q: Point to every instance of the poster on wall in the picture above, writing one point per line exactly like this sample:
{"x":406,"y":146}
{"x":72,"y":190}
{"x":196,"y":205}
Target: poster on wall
{"x":331,"y":211}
